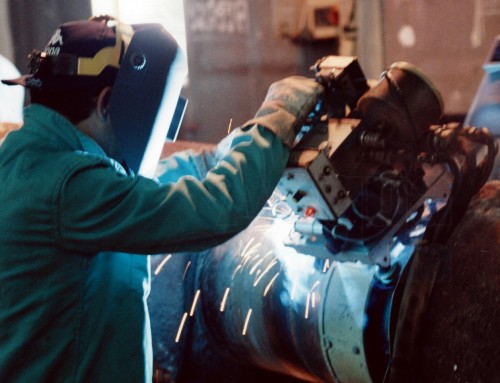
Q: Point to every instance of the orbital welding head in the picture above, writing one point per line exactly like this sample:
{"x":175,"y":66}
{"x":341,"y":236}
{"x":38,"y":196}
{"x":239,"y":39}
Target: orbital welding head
{"x":403,"y":104}
{"x":142,"y":63}
{"x":358,"y":175}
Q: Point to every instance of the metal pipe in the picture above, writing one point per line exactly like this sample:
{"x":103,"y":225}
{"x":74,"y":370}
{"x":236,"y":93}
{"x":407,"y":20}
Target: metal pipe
{"x":266,"y":305}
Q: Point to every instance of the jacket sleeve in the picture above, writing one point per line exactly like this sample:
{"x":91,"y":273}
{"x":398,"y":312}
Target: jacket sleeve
{"x":99,"y":209}
{"x":195,"y":163}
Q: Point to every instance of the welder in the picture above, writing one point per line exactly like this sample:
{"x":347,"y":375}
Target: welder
{"x":80,"y":213}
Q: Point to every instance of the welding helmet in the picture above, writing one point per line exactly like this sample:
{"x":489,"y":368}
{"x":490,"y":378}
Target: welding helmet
{"x":145,"y":67}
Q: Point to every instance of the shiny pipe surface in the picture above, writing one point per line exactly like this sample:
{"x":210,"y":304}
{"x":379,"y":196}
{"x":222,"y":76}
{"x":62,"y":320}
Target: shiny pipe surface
{"x":266,"y":305}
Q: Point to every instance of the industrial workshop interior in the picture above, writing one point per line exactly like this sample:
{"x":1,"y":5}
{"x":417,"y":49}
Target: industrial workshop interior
{"x":376,"y":258}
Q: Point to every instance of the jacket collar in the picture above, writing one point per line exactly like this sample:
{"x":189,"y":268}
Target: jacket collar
{"x":58,"y":129}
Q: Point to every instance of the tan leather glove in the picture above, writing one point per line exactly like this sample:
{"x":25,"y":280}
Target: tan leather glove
{"x":286,"y":107}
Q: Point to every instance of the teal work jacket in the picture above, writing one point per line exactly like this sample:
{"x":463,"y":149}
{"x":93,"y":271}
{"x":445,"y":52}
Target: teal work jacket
{"x":72,"y":294}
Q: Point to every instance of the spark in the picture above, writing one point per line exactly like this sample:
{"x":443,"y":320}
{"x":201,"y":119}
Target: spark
{"x":327,"y":265}
{"x":229,"y":126}
{"x":316,"y":284}
{"x":181,"y":326}
{"x":267,"y":254}
{"x":256,"y":256}
{"x":269,"y":267}
{"x":270,"y":284}
{"x":160,"y":266}
{"x":186,"y":269}
{"x":193,"y":306}
{"x":224,"y":298}
{"x":246,"y":322}
{"x":236,"y":270}
{"x":307,"y":306}
{"x":313,"y":293}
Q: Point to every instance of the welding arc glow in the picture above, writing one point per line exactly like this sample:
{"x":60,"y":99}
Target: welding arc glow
{"x":224,"y":299}
{"x":193,"y":306}
{"x":262,"y":228}
{"x":246,"y":322}
{"x":160,"y":266}
{"x":181,"y":326}
{"x":298,"y":268}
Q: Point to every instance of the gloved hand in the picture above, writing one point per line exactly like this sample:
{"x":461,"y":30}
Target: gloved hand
{"x":286,"y":106}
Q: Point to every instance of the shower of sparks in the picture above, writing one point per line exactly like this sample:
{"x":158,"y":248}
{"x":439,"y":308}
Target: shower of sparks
{"x":160,"y":266}
{"x":181,"y":326}
{"x":247,"y":246}
{"x":327,"y":265}
{"x":245,"y":260}
{"x":269,"y":267}
{"x":224,"y":299}
{"x":253,"y":249}
{"x":270,"y":284}
{"x":246,"y":322}
{"x":185,"y":270}
{"x":307,"y":306}
{"x":248,"y":252}
{"x":195,"y":300}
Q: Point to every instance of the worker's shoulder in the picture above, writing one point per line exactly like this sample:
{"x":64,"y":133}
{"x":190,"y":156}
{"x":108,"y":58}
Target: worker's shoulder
{"x":67,"y":164}
{"x":53,"y":166}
